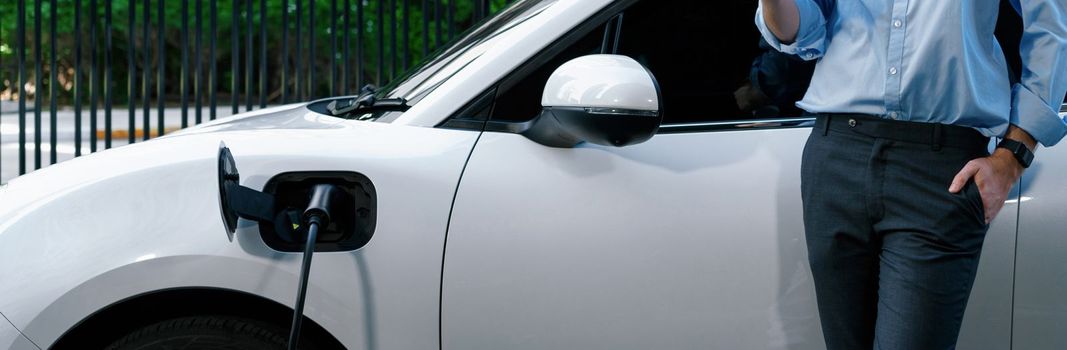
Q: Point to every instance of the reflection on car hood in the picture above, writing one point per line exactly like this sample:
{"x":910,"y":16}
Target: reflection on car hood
{"x":287,"y":117}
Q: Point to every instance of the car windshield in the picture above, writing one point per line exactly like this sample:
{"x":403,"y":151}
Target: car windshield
{"x":451,"y":58}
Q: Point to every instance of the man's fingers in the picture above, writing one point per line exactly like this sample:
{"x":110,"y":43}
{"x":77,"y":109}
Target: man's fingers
{"x":961,"y":178}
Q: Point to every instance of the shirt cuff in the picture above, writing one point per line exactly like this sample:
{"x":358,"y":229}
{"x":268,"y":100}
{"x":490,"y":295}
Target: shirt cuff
{"x":1032,"y":114}
{"x":811,"y":36}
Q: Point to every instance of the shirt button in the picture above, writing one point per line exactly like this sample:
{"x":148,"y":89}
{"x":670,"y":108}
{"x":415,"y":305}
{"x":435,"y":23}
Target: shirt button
{"x":852,"y":123}
{"x":898,"y":23}
{"x":893,"y":71}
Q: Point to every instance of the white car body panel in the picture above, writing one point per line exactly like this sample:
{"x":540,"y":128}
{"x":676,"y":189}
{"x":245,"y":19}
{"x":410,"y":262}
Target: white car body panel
{"x":11,"y":338}
{"x":162,"y":228}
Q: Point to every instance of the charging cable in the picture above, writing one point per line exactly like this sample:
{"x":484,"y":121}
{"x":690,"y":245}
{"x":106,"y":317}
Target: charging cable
{"x":317,"y":215}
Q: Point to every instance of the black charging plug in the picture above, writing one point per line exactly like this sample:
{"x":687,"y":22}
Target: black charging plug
{"x":316,"y":216}
{"x":322,"y":198}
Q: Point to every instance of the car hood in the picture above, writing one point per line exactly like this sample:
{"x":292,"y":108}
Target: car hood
{"x":171,"y":155}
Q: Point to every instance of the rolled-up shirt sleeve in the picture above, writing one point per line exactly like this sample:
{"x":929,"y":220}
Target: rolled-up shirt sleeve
{"x":1036,"y":99}
{"x":811,"y":36}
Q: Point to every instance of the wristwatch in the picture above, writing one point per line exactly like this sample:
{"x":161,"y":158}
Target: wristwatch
{"x":1019,"y":150}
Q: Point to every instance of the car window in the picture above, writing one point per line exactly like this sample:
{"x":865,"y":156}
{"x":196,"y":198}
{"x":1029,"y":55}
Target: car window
{"x":709,"y":61}
{"x":706,"y":55}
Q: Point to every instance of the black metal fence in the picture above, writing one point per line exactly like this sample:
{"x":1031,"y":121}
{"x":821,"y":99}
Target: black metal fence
{"x":119,"y":72}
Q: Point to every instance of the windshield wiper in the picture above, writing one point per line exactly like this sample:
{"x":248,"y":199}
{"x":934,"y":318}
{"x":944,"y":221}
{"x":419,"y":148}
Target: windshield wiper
{"x":367,"y":103}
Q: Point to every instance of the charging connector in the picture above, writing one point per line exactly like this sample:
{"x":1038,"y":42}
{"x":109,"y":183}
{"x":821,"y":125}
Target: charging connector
{"x":316,"y":215}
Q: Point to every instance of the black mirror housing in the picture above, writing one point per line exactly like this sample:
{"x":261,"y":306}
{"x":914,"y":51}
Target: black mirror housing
{"x":566,"y":127}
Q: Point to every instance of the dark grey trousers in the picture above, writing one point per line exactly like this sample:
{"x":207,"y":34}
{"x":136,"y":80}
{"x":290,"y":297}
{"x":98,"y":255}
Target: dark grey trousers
{"x":892,"y":252}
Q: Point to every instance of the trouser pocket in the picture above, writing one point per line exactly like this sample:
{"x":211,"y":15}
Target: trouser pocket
{"x":974,"y":195}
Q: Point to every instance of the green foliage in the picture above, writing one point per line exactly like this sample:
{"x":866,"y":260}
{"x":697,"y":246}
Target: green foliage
{"x":68,"y":34}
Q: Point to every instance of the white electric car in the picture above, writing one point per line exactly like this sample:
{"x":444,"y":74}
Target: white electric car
{"x":570,"y":174}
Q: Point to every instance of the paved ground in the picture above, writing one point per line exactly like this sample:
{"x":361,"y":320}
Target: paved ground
{"x":65,"y":132}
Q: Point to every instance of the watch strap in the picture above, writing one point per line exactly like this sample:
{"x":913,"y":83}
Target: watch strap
{"x":1019,"y":150}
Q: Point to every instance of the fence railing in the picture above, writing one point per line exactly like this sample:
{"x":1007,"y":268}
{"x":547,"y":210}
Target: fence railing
{"x":120,"y":72}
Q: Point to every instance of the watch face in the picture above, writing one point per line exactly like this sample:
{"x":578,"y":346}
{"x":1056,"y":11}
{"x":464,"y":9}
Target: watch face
{"x":1025,"y":156}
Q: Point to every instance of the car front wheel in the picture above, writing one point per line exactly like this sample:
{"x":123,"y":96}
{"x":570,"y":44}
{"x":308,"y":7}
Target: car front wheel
{"x":206,"y":332}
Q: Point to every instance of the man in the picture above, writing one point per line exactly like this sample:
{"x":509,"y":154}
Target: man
{"x":897,"y":182}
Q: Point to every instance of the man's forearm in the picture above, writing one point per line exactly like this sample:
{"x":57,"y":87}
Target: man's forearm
{"x":1018,"y":134}
{"x":783,"y":19}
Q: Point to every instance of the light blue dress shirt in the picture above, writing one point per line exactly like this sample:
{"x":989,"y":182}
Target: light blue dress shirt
{"x":933,"y":61}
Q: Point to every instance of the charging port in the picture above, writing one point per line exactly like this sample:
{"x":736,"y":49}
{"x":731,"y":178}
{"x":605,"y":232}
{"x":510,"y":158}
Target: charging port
{"x":353,"y":215}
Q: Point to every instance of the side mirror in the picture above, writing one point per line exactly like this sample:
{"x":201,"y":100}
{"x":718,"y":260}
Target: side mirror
{"x":608,"y":100}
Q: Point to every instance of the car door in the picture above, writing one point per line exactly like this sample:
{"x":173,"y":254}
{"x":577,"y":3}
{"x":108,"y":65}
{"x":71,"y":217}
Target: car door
{"x":693,"y":239}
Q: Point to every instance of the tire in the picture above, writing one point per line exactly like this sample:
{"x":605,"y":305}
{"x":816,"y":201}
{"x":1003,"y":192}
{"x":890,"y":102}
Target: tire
{"x":206,"y":332}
